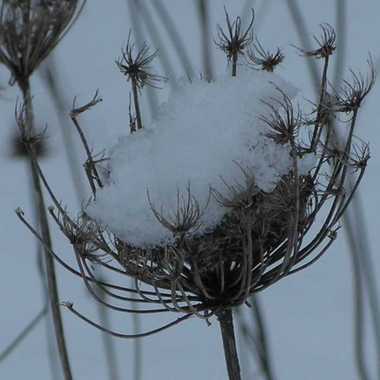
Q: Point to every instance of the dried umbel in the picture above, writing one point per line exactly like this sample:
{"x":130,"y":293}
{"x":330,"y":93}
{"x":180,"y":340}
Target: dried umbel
{"x":264,"y":235}
{"x":136,"y":67}
{"x":234,"y":40}
{"x":262,"y":59}
{"x":30,"y":30}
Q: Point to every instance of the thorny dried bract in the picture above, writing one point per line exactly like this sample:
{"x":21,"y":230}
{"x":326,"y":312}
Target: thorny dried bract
{"x":234,"y":41}
{"x":262,"y":59}
{"x":30,"y":30}
{"x":326,"y":43}
{"x":136,"y":66}
{"x":351,"y":93}
{"x":283,"y":120}
{"x":263,"y":236}
{"x":186,"y":216}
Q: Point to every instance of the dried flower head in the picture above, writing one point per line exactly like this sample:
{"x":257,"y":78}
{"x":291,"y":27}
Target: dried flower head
{"x":283,"y":120}
{"x":18,"y":149}
{"x":136,"y":66}
{"x":263,"y":236}
{"x":234,"y":41}
{"x":326,"y":43}
{"x":262,"y":59}
{"x":30,"y":30}
{"x":350,"y":95}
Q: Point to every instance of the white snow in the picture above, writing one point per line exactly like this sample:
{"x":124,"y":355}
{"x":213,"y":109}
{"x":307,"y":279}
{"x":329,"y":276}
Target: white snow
{"x":203,"y":137}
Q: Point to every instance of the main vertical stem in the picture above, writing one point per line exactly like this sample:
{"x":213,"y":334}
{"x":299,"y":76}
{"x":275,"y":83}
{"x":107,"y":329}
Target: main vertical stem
{"x":136,"y":102}
{"x":229,"y":344}
{"x":45,"y":232}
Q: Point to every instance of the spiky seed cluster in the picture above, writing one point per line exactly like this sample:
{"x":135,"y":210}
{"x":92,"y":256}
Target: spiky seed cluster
{"x":262,"y":59}
{"x":18,"y":149}
{"x":283,"y":120}
{"x":136,"y":66}
{"x":349,"y":97}
{"x":263,"y":236}
{"x":234,"y":41}
{"x":30,"y":30}
{"x":326,"y":43}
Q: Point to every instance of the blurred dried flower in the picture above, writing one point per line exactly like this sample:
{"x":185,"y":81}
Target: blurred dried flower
{"x":326,"y":43}
{"x":262,"y":59}
{"x":30,"y":30}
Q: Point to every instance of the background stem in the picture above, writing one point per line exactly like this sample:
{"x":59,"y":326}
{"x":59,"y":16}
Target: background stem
{"x":45,"y":232}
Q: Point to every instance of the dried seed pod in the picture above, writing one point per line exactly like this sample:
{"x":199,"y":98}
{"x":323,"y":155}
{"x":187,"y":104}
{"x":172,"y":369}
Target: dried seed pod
{"x":30,"y":30}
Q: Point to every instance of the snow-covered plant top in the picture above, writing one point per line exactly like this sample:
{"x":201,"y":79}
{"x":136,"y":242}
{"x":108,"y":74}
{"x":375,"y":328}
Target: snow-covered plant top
{"x":207,"y":136}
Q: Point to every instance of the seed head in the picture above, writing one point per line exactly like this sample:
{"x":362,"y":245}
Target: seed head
{"x":30,"y":30}
{"x":326,"y":43}
{"x":234,"y":41}
{"x":136,"y":66}
{"x":262,"y":59}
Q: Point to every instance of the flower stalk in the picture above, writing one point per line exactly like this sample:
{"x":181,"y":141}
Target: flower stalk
{"x":225,"y":319}
{"x":27,"y":129}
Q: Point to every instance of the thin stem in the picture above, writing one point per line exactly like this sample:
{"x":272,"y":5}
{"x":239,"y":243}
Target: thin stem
{"x":174,"y":36}
{"x":50,"y":348}
{"x":109,"y":347}
{"x":139,"y":37}
{"x":357,"y":280}
{"x":23,"y":334}
{"x":45,"y":232}
{"x":263,"y":350}
{"x":136,"y":103}
{"x":234,"y":64}
{"x":321,"y":104}
{"x":50,"y":77}
{"x":229,"y":344}
{"x":137,"y":347}
{"x":203,"y":14}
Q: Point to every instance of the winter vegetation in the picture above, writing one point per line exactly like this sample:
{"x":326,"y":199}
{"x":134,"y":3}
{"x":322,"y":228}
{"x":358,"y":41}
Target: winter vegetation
{"x":215,"y":185}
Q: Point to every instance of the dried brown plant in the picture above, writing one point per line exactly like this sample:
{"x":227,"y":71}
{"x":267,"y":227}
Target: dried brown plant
{"x":136,"y":68}
{"x":30,"y":30}
{"x":234,"y":41}
{"x":262,"y":59}
{"x":263,"y":236}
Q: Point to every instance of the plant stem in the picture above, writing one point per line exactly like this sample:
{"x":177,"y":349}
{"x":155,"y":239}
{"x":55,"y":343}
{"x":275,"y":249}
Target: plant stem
{"x":263,"y":349}
{"x":204,"y":22}
{"x":234,"y":64}
{"x":229,"y":344}
{"x":45,"y":232}
{"x":136,"y":102}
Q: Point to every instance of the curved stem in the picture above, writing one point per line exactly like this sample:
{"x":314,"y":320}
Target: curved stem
{"x":229,"y":344}
{"x":45,"y":232}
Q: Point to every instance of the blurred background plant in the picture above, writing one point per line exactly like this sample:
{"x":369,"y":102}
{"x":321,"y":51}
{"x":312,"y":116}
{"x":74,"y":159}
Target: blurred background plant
{"x":167,"y":28}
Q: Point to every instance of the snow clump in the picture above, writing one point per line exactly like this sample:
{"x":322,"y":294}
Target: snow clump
{"x":201,"y":138}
